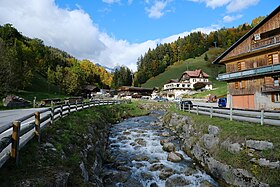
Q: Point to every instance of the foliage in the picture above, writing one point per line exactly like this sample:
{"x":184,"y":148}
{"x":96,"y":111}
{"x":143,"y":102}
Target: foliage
{"x":199,"y":85}
{"x":154,"y":62}
{"x":175,"y":71}
{"x":122,"y":77}
{"x":21,"y":58}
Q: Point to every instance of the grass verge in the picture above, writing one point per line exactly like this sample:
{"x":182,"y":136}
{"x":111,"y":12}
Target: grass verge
{"x":240,"y":132}
{"x":69,"y":137}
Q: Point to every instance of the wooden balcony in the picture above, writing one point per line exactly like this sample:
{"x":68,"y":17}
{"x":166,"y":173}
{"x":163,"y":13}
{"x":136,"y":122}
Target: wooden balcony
{"x":265,"y":43}
{"x":270,"y":88}
{"x":260,"y":71}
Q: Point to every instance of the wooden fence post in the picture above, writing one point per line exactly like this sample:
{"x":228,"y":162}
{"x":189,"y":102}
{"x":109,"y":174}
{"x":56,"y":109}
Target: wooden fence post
{"x":189,"y":108}
{"x":262,"y":117}
{"x":82,"y":105}
{"x":211,"y":112}
{"x":15,"y":141}
{"x":183,"y":106}
{"x":196,"y":109}
{"x":37,"y":125}
{"x":230,"y":114}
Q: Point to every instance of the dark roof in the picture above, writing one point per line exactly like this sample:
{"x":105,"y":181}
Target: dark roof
{"x":246,"y":35}
{"x":131,"y":88}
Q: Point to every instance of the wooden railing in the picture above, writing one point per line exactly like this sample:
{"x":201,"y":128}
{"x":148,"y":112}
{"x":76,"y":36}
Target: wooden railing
{"x":268,"y":117}
{"x":265,"y":43}
{"x":15,"y":135}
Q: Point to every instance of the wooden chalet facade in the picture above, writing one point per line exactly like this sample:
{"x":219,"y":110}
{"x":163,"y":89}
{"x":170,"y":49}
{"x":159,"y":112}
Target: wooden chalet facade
{"x":253,"y":66}
{"x":178,"y":87}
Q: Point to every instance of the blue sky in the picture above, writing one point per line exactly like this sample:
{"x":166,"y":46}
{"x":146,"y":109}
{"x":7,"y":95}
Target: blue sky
{"x":117,"y":32}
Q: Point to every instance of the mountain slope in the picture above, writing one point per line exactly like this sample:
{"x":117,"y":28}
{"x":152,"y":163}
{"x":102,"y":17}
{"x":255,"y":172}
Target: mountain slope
{"x":175,"y":71}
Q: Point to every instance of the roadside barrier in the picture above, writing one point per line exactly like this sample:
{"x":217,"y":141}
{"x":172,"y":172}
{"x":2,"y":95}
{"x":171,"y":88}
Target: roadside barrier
{"x":17,"y":134}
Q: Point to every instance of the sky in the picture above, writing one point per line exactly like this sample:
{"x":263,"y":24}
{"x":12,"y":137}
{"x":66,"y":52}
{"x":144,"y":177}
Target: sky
{"x":118,"y":32}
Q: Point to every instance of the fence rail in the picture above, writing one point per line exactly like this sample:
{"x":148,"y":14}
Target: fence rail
{"x":267,"y":117}
{"x":18,"y":133}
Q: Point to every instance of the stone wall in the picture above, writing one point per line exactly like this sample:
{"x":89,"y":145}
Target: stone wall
{"x":201,"y":145}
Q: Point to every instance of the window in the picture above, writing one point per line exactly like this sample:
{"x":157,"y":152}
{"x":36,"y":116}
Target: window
{"x":275,"y":97}
{"x":273,"y":59}
{"x":183,"y":85}
{"x":178,"y":85}
{"x":276,"y":81}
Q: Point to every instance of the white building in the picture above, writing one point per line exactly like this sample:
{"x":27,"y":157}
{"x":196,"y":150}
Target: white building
{"x":185,"y":84}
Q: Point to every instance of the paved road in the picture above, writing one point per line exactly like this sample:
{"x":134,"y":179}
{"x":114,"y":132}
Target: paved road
{"x":7,"y":116}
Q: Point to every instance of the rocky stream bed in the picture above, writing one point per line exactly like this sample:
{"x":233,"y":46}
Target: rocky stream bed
{"x":141,"y":153}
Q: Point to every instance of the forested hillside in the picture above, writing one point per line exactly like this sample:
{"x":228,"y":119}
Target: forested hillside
{"x":22,"y":58}
{"x":157,"y":60}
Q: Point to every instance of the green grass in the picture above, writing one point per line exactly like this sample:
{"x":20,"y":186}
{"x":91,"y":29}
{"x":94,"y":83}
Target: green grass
{"x":240,"y":132}
{"x":70,"y":137}
{"x":175,"y":71}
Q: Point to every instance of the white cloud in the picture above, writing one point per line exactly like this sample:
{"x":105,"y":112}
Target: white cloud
{"x":213,"y":3}
{"x":238,"y":5}
{"x":74,"y":32}
{"x":228,"y":18}
{"x":110,"y":1}
{"x":231,"y":5}
{"x":157,"y":9}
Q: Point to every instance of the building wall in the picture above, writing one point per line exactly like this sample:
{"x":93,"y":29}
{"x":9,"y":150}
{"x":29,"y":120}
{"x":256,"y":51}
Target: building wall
{"x":245,"y":46}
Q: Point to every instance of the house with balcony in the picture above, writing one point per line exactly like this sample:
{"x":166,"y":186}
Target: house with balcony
{"x":185,"y":84}
{"x":253,"y":66}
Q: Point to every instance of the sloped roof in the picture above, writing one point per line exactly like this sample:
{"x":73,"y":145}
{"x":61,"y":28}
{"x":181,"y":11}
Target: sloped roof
{"x":196,"y":73}
{"x":246,"y":35}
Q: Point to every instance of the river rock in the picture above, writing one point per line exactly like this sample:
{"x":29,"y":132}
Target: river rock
{"x":140,"y":141}
{"x":266,"y":163}
{"x":169,"y":147}
{"x":165,"y":173}
{"x":259,"y":145}
{"x":61,"y":179}
{"x":176,"y":181}
{"x":206,"y":184}
{"x":156,"y":167}
{"x":210,"y":141}
{"x":213,"y":130}
{"x":174,"y":157}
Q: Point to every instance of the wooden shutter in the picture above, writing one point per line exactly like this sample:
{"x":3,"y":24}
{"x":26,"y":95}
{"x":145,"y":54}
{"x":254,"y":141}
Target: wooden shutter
{"x":239,"y":65}
{"x":272,"y":97}
{"x":243,"y":84}
{"x":242,"y":65}
{"x":275,"y":58}
{"x":236,"y":85}
{"x":270,"y":59}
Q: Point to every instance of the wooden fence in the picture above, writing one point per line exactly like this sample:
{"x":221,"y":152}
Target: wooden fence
{"x":268,"y":117}
{"x":18,"y":133}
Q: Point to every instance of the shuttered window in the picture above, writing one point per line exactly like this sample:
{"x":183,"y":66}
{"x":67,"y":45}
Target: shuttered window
{"x":236,"y":85}
{"x":243,"y":65}
{"x":239,"y":65}
{"x":269,"y":60}
{"x":275,"y":97}
{"x":275,"y":58}
{"x":243,"y":84}
{"x":272,"y":97}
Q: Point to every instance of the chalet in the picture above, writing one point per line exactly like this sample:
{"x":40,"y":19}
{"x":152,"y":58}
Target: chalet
{"x":185,"y":84}
{"x":253,"y":68}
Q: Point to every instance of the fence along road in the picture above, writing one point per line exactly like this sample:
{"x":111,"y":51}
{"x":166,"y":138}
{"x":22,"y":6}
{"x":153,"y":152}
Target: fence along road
{"x":268,"y":117}
{"x":16,"y":134}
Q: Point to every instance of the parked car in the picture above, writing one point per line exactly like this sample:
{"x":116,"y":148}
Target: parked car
{"x":222,"y":102}
{"x":186,"y":104}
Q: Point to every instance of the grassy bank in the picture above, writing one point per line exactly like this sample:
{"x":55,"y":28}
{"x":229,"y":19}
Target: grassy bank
{"x":61,"y":147}
{"x":239,"y":132}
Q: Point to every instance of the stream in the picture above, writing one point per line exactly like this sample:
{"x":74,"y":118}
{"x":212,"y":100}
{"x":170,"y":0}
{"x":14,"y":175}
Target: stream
{"x":135,"y":157}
